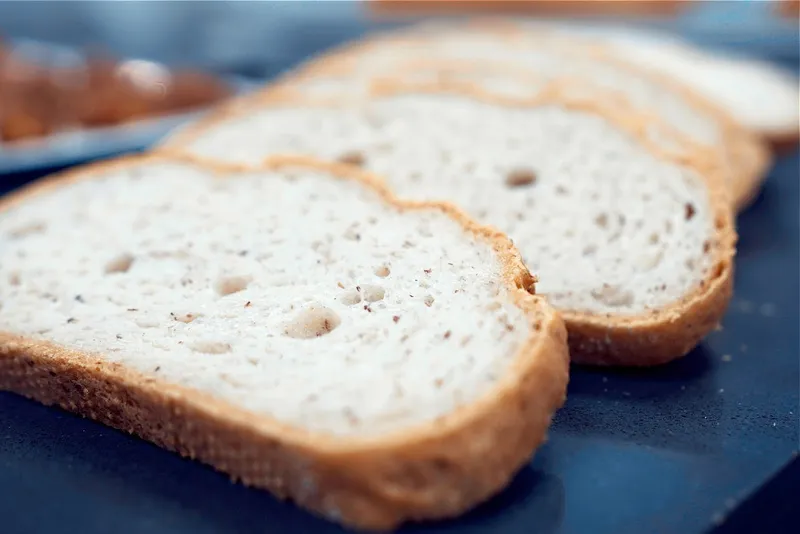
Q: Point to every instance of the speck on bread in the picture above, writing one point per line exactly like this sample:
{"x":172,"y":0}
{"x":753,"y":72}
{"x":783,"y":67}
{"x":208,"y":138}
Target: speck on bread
{"x":633,"y":243}
{"x":403,"y":375}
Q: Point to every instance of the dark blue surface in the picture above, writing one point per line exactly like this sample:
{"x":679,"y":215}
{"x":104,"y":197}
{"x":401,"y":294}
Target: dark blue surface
{"x":681,"y":449}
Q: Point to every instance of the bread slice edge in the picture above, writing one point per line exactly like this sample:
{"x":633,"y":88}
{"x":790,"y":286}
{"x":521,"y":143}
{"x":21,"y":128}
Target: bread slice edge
{"x":435,"y":470}
{"x":745,"y":154}
{"x":643,"y":340}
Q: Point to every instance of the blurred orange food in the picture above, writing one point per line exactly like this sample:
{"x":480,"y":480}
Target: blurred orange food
{"x":789,"y":8}
{"x":540,"y":7}
{"x":36,"y":101}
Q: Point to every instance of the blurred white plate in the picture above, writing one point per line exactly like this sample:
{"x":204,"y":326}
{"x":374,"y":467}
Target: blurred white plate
{"x":66,"y":148}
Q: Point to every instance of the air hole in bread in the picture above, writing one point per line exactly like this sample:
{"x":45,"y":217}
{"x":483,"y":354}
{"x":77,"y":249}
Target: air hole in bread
{"x":350,"y":297}
{"x":441,"y":464}
{"x":601,"y":220}
{"x":719,"y":270}
{"x":14,"y":278}
{"x":227,"y":285}
{"x":689,"y":211}
{"x":315,"y":321}
{"x":34,"y":227}
{"x":166,"y":254}
{"x":230,"y":380}
{"x":146,"y":322}
{"x":706,"y":247}
{"x":613,"y":296}
{"x":120,"y":264}
{"x":654,"y":238}
{"x":561,"y":190}
{"x":382,"y":271}
{"x":352,"y":234}
{"x":185,"y":317}
{"x":428,"y":300}
{"x":373,"y":293}
{"x":589,"y":250}
{"x":648,"y":263}
{"x":291,"y":176}
{"x":209,"y":347}
{"x":520,"y":178}
{"x":353,"y":157}
{"x":690,"y":264}
{"x":719,"y":222}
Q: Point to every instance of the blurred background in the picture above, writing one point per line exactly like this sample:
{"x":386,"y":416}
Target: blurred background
{"x":65,"y":90}
{"x":259,"y":38}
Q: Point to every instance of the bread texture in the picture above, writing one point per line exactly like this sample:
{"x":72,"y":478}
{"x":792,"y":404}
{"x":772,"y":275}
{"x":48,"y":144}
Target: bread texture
{"x":633,"y":245}
{"x":485,"y":48}
{"x":759,"y":95}
{"x":293,"y":325}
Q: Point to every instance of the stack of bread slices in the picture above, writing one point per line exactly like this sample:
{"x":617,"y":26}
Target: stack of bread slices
{"x":361,"y":287}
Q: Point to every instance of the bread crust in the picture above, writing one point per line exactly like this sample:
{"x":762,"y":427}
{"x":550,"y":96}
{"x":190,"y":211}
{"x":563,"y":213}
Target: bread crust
{"x":434,"y":470}
{"x":745,"y":154}
{"x":641,"y":340}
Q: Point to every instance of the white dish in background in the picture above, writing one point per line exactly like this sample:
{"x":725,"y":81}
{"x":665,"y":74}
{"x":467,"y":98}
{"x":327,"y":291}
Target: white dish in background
{"x":75,"y":146}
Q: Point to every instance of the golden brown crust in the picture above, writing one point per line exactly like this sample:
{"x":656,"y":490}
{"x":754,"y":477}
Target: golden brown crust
{"x":754,"y":157}
{"x":745,"y":154}
{"x":644,"y":343}
{"x":434,"y":470}
{"x":658,"y":337}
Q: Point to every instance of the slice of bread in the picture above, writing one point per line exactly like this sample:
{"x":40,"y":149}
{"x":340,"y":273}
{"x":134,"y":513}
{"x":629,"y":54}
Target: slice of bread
{"x":634,"y":246}
{"x":759,"y":95}
{"x":294,"y":326}
{"x":485,"y":48}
